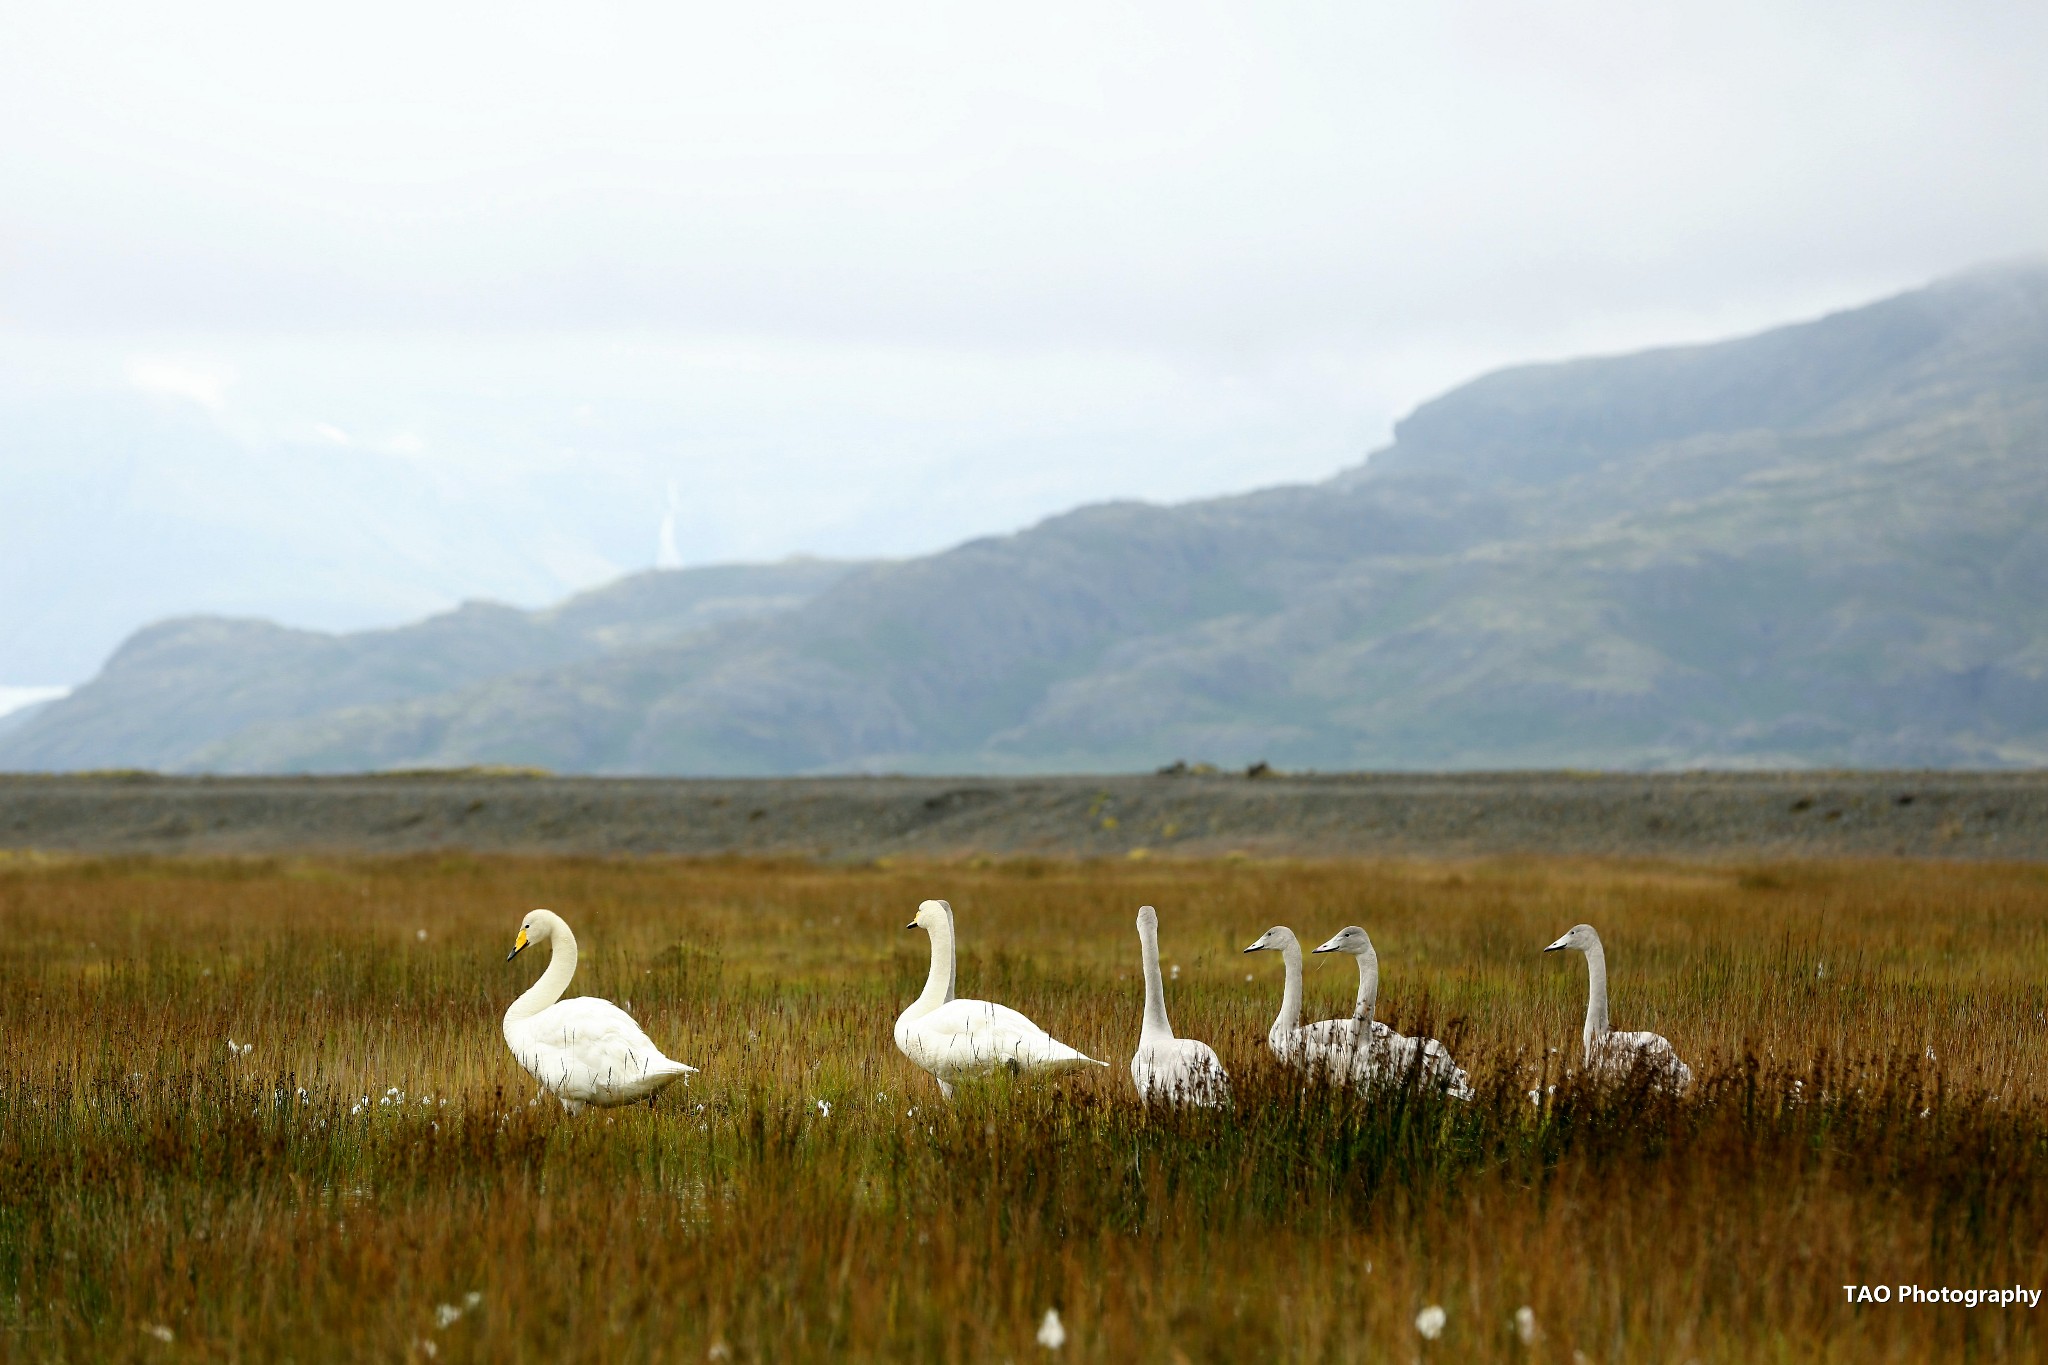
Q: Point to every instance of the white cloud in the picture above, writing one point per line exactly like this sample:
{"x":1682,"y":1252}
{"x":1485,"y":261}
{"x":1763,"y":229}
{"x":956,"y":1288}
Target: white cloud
{"x":1227,"y":178}
{"x":205,"y":382}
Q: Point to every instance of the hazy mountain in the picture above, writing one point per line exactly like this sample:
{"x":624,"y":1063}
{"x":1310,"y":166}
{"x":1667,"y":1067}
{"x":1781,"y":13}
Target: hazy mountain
{"x":14,"y":720}
{"x":1826,"y":544}
{"x":177,"y":687}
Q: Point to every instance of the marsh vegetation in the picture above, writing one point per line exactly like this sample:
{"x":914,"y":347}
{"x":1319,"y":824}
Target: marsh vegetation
{"x":367,"y":1175}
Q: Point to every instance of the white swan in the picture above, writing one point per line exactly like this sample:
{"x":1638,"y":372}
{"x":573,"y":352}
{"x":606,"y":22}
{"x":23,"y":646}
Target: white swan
{"x":582,"y":1051}
{"x":1607,"y":1052}
{"x":956,"y":1038}
{"x":1166,"y":1068}
{"x":1367,"y":1050}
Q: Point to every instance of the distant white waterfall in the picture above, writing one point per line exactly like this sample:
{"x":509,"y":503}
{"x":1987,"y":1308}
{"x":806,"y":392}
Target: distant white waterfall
{"x":666,"y":555}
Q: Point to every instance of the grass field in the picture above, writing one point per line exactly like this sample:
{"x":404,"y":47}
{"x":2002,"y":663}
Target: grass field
{"x":372,"y":1181}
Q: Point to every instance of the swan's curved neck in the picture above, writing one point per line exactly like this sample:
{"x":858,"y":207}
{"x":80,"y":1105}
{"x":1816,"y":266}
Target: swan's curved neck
{"x":553,"y":981}
{"x":1290,"y":1003}
{"x":1368,"y":985}
{"x":938,"y":986}
{"x":1157,"y":1029}
{"x":1596,"y":995}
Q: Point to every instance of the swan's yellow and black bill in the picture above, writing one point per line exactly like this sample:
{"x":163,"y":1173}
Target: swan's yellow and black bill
{"x":911,"y":925}
{"x":518,"y":944}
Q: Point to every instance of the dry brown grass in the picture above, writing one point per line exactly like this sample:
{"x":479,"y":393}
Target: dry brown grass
{"x":148,"y":1181}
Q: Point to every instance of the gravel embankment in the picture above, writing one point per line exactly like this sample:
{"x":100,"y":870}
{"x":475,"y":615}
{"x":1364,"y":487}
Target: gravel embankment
{"x":1916,"y":814}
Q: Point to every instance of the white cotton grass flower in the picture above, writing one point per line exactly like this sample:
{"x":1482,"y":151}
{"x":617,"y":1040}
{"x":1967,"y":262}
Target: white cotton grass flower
{"x":1430,"y":1322}
{"x":446,"y":1315}
{"x":159,"y":1331}
{"x":824,"y":1109}
{"x":473,"y":1299}
{"x":1525,"y":1325}
{"x":236,"y":1049}
{"x":1052,"y":1333}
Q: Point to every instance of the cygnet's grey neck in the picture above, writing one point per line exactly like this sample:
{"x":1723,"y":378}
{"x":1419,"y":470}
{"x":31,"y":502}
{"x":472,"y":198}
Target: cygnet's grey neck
{"x":1368,"y":983}
{"x":1290,"y":1001}
{"x":1596,"y":994}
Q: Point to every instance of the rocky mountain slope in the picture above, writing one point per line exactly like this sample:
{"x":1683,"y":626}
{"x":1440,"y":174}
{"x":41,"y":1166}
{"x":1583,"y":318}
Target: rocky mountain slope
{"x":1826,"y":545}
{"x":179,"y":687}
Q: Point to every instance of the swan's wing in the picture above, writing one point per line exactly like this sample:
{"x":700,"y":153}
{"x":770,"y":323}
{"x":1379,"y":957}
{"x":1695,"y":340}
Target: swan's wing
{"x":1180,"y":1071}
{"x":975,"y":1034}
{"x":590,"y":1049}
{"x":1203,"y":1079}
{"x":578,"y":1022}
{"x":1327,"y":1046}
{"x":1346,"y":1048}
{"x":1383,"y":1057}
{"x":1392,"y":1057}
{"x":1444,"y":1073}
{"x":1329,"y":1033}
{"x":1653,"y":1048}
{"x":1625,"y":1051}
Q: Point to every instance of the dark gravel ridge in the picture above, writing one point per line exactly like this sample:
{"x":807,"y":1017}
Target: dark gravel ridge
{"x":2001,"y":815}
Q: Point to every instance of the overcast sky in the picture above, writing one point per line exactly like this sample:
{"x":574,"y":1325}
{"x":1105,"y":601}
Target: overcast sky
{"x":411,"y":302}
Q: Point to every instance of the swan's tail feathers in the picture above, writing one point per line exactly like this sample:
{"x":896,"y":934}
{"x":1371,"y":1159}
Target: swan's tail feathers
{"x":1054,"y":1053}
{"x":1455,"y":1080}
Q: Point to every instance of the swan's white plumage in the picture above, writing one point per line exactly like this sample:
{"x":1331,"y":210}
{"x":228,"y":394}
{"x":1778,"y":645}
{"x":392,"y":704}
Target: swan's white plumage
{"x":1365,"y":1052}
{"x":1167,"y":1069}
{"x":586,"y":1050}
{"x":953,"y":1038}
{"x":1608,"y":1053}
